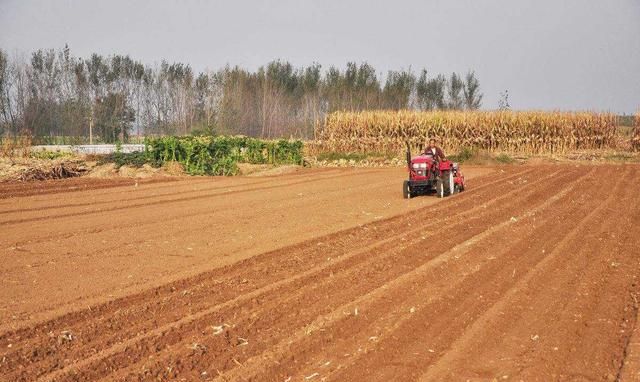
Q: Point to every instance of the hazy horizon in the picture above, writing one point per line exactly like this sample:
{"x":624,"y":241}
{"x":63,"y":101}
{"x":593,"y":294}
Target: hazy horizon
{"x":577,"y":55}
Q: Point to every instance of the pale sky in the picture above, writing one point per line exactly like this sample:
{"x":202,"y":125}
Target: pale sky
{"x":549,"y":54}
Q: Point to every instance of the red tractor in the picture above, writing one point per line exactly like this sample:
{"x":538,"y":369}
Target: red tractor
{"x":428,"y":176}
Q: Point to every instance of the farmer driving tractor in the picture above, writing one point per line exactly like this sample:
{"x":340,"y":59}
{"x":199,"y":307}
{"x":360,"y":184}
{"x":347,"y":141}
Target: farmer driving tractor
{"x":434,"y":151}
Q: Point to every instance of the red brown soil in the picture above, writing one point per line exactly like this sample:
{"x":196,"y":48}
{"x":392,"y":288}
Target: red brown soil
{"x":531,"y":274}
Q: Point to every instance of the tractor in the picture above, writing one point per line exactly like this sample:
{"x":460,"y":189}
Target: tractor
{"x":428,"y":176}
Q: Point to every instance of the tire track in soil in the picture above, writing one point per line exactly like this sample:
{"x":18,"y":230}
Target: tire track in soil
{"x":117,"y":197}
{"x":130,"y":323}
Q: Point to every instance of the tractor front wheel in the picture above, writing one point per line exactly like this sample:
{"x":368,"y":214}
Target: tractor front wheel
{"x":406,"y":190}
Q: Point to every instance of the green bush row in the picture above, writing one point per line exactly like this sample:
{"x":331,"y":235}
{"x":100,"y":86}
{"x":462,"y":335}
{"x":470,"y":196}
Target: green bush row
{"x":220,"y":155}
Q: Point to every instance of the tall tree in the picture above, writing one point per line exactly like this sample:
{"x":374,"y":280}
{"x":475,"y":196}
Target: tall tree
{"x":113,"y":122}
{"x":430,"y":92}
{"x":455,"y":99}
{"x":503,"y":102}
{"x":398,"y":89}
{"x":4,"y":92}
{"x":472,"y":95}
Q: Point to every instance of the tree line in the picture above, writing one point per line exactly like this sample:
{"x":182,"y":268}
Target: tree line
{"x":54,"y":94}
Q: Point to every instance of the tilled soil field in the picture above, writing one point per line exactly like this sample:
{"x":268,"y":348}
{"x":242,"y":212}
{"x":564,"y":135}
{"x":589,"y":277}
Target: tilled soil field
{"x":531,"y":274}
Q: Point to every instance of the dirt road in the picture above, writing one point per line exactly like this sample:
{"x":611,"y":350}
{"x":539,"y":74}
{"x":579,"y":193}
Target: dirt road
{"x":531,"y":274}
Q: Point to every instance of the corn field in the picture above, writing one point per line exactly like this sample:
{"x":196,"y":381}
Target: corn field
{"x":496,"y":131}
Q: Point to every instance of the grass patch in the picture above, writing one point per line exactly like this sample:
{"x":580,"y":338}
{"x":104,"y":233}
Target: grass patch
{"x":45,"y":154}
{"x":472,"y":155}
{"x":504,"y":158}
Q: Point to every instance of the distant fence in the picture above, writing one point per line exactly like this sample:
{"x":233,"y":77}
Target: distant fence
{"x":90,"y":149}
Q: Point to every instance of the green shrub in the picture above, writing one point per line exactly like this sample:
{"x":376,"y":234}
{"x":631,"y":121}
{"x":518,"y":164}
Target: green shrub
{"x":135,"y":159}
{"x":219,"y":155}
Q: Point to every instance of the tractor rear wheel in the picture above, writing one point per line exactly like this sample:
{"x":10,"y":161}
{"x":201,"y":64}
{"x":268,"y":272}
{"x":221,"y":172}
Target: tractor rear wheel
{"x":406,"y":190}
{"x":445,"y":184}
{"x":449,"y":183}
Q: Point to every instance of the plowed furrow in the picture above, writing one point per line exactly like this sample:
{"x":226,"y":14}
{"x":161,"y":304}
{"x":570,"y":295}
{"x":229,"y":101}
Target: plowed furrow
{"x":170,"y":304}
{"x":591,"y":296}
{"x":518,"y":202}
{"x":403,"y":300}
{"x":555,"y":298}
{"x":337,"y":287}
